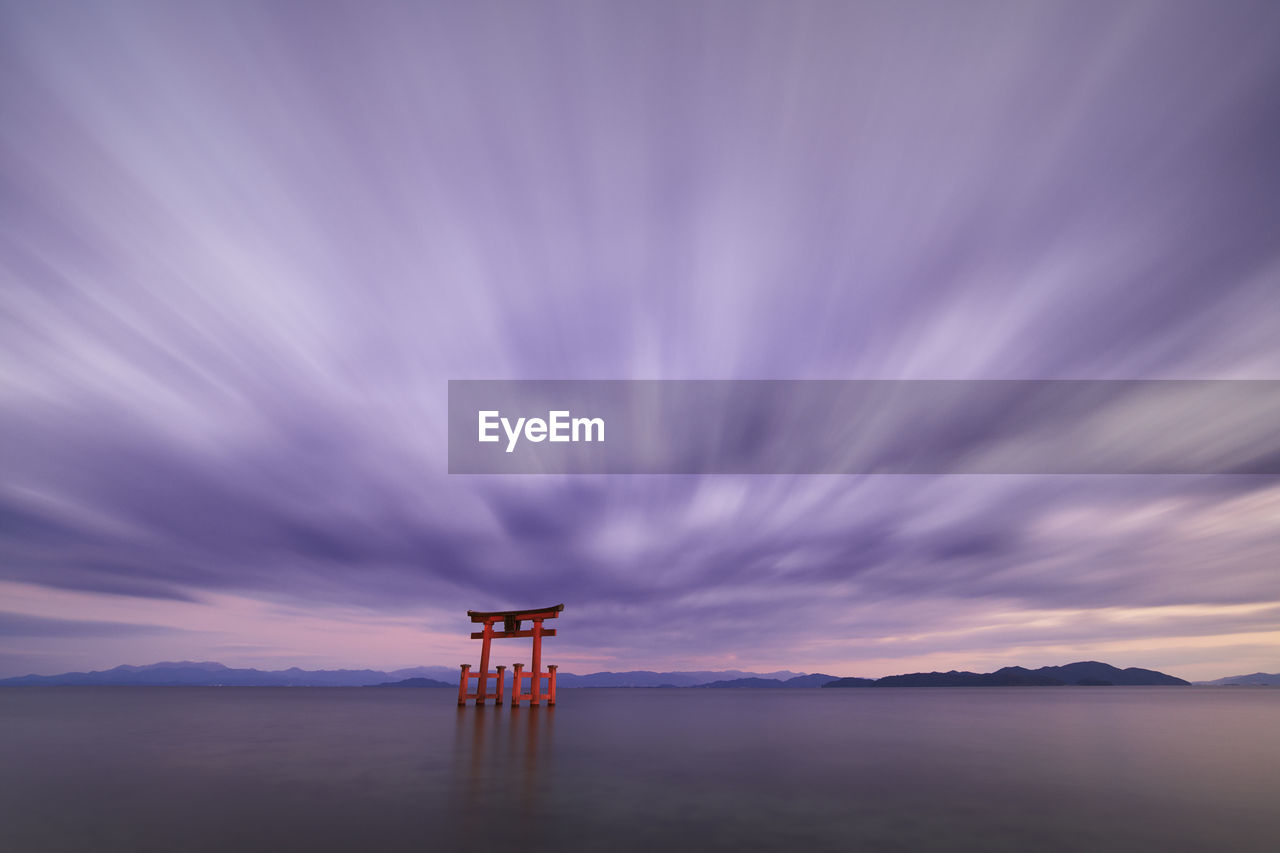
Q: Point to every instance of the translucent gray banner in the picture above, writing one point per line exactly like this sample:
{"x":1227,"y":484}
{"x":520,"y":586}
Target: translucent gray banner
{"x":864,"y":427}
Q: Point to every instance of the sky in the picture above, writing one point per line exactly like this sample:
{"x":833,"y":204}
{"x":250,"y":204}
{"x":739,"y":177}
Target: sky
{"x":244,"y":246}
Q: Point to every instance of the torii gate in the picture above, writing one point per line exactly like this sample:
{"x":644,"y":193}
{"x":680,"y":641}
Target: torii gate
{"x":511,"y":620}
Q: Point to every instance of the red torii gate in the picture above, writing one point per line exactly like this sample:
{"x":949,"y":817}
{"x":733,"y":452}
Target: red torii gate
{"x":511,"y":620}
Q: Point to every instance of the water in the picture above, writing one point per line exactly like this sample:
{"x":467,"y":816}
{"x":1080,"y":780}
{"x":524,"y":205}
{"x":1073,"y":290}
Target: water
{"x":192,"y":769}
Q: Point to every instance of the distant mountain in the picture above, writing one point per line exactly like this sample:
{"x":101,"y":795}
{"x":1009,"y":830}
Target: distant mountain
{"x":1081,"y":674}
{"x":416,"y":682}
{"x":206,"y":674}
{"x":817,"y":679}
{"x":1257,"y":679}
{"x":645,"y":678}
{"x":744,"y":682}
{"x":1011,"y":676}
{"x":1093,"y":673}
{"x":439,"y":673}
{"x":851,"y":682}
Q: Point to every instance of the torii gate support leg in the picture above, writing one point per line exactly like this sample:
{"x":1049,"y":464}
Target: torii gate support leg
{"x":483,"y":690}
{"x":537,"y":663}
{"x":462,"y":685}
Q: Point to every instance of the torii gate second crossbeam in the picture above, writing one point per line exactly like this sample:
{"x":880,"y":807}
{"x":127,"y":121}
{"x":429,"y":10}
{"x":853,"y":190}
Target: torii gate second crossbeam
{"x":511,"y":620}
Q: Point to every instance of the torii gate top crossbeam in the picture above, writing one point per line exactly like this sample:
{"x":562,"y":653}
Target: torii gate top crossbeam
{"x":503,"y":615}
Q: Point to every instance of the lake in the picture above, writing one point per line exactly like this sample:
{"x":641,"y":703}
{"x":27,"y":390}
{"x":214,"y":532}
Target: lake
{"x":1067,"y":768}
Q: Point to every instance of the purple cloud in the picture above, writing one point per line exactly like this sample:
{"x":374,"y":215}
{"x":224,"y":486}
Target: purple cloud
{"x":246,"y":246}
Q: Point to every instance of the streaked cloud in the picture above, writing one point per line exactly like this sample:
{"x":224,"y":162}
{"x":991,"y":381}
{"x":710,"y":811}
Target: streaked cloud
{"x":246,"y":246}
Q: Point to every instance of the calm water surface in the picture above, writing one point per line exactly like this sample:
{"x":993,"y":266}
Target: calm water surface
{"x":191,"y":769}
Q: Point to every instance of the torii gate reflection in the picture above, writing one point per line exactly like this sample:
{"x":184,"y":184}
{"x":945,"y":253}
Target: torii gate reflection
{"x":511,"y":620}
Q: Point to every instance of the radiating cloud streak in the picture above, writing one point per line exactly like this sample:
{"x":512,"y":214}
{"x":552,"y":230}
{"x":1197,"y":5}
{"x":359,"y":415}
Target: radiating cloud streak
{"x":245,"y":245}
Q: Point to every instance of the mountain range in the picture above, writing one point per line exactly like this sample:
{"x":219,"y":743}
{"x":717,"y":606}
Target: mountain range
{"x":1083,"y":674}
{"x":816,"y":679}
{"x":1257,"y":679}
{"x":210,"y":674}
